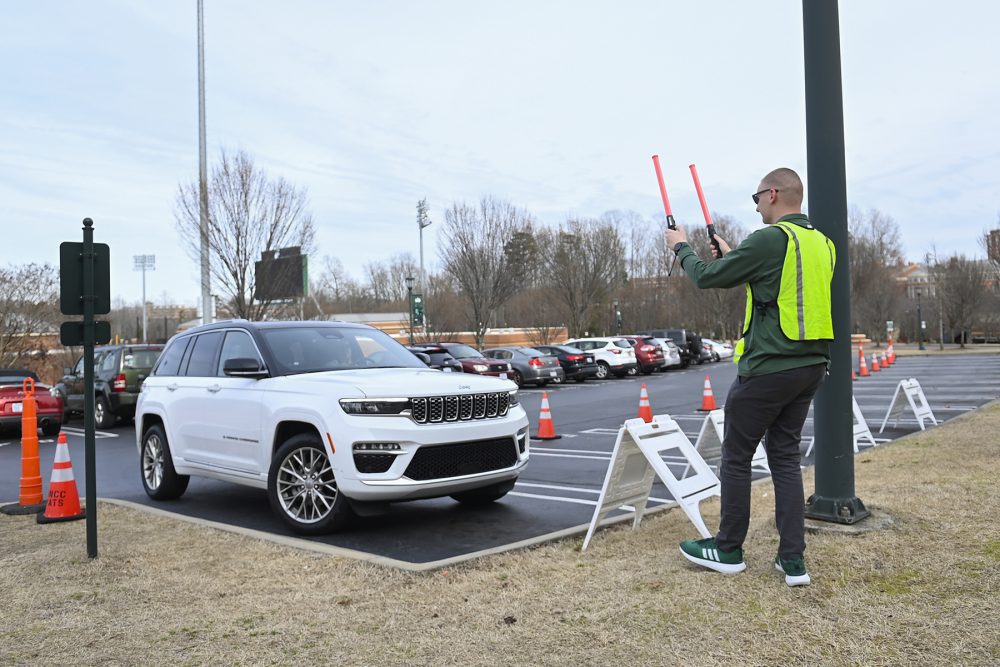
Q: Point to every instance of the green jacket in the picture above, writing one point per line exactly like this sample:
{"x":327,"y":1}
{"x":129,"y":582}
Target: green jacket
{"x":759,"y":261}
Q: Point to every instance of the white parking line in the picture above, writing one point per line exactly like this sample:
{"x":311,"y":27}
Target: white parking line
{"x":572,"y":456}
{"x":573,"y":488}
{"x":70,"y":430}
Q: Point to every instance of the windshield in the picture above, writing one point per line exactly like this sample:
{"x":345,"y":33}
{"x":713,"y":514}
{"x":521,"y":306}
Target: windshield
{"x":464,"y":352}
{"x":313,"y":349}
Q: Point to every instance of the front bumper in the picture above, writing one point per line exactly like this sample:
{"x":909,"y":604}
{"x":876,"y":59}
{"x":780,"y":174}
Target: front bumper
{"x":394,"y":485}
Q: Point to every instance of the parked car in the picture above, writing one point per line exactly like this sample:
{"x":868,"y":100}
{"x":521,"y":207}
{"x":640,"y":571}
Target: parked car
{"x":119,"y":371}
{"x":576,"y":364}
{"x":330,"y":418}
{"x":719,"y":349}
{"x":438,"y":357}
{"x":689,"y":343}
{"x":473,"y":361}
{"x":528,"y":365}
{"x":648,"y":354}
{"x":613,"y":355}
{"x":48,"y":405}
{"x":671,"y":353}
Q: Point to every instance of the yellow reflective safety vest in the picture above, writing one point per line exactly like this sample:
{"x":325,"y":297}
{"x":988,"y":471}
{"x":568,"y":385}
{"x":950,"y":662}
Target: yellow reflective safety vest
{"x":804,"y":295}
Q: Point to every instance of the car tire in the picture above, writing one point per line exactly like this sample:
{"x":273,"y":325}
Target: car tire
{"x":103,"y":417}
{"x":603,"y":370}
{"x":581,"y":380}
{"x":543,"y":383}
{"x":51,"y":429}
{"x":517,"y":378}
{"x":302,"y":488}
{"x":486,"y":494}
{"x":633,"y":371}
{"x":156,"y":467}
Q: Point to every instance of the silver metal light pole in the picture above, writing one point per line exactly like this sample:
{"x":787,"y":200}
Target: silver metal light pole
{"x":144,"y":263}
{"x":422,"y":221}
{"x":206,"y":285}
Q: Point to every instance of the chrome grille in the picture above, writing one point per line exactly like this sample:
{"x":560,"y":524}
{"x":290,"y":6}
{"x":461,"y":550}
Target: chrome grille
{"x":464,"y":407}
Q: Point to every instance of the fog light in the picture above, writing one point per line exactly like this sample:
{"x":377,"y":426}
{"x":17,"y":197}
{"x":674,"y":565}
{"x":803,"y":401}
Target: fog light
{"x":386,"y":447}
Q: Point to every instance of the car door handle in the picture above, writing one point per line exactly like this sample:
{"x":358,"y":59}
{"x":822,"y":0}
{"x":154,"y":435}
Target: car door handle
{"x":213,"y":388}
{"x":172,"y":387}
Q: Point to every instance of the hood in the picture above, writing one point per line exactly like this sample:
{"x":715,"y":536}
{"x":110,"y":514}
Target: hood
{"x":404,"y":382}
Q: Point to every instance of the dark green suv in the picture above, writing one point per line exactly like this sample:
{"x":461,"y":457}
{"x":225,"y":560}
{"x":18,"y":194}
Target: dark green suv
{"x":119,"y":371}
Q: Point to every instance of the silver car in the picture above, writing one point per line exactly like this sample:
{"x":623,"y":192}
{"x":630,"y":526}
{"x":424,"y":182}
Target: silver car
{"x":529,"y":365}
{"x":671,"y":353}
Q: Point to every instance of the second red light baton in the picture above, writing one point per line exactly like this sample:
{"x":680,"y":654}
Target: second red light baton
{"x":704,"y":209}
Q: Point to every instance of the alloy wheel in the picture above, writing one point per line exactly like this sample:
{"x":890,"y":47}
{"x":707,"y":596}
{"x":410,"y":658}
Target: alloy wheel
{"x":306,"y":486}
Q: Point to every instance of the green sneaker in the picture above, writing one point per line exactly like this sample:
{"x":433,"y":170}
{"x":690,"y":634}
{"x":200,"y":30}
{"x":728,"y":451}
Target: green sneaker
{"x":705,"y":553}
{"x":795,"y":571}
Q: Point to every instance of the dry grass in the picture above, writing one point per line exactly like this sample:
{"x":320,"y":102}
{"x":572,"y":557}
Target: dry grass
{"x":169,"y":592}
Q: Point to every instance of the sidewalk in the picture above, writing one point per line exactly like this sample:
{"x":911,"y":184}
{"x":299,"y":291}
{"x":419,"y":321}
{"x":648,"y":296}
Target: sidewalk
{"x":164,"y":591}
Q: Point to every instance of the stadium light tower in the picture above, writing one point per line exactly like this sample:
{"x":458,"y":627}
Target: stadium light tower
{"x":144,"y":263}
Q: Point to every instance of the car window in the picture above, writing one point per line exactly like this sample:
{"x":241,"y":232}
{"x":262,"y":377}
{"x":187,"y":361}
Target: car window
{"x":204,"y":352}
{"x":237,"y":345}
{"x":328,"y":348}
{"x":141,"y":358}
{"x":78,"y":369}
{"x":622,"y":343}
{"x":531,"y":353}
{"x":504,"y":354}
{"x":110,"y":362}
{"x":463,"y":352}
{"x":170,"y":362}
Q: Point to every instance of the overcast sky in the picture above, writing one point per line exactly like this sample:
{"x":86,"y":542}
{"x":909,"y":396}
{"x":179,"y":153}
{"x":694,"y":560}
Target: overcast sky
{"x":554,"y":106}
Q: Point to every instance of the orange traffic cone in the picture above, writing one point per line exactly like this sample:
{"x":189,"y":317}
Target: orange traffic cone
{"x":854,"y":377}
{"x":892,"y":351}
{"x":875,"y":367}
{"x":885,"y":361}
{"x":645,"y":409}
{"x":30,"y":499}
{"x":64,"y":499}
{"x":546,"y":429}
{"x":707,"y":398}
{"x":862,"y":366}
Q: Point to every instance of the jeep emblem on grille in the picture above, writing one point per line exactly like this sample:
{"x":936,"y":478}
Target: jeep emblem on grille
{"x":465,"y":386}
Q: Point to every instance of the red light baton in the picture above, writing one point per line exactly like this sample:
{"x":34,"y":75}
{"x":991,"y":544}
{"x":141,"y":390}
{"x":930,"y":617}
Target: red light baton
{"x":704,"y":209}
{"x":663,"y":193}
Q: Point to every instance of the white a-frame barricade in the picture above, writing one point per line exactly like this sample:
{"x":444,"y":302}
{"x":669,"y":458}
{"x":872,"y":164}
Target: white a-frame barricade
{"x":861,"y":430}
{"x":918,"y":403}
{"x":709,"y":442}
{"x":638,"y":457}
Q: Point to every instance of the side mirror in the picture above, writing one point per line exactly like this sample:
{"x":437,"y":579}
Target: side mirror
{"x":424,"y":357}
{"x":244,"y":367}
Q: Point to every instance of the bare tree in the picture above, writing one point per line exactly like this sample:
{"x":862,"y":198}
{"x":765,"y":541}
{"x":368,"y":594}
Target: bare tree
{"x":876,"y":256}
{"x":249,"y":213}
{"x":29,"y":309}
{"x":585,"y":263}
{"x":963,"y":283}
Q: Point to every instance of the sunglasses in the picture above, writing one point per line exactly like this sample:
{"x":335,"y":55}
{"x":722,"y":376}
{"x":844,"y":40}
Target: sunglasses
{"x":756,"y":196}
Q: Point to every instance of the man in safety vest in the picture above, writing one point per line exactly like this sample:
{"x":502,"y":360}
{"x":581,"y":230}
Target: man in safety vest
{"x":783,"y":356}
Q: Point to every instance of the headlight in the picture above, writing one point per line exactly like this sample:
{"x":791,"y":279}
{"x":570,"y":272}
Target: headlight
{"x":480,"y":368}
{"x":513,"y":400}
{"x":383,"y":406}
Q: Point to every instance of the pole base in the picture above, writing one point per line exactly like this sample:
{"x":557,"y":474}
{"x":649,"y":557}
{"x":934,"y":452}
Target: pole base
{"x":836,"y":510}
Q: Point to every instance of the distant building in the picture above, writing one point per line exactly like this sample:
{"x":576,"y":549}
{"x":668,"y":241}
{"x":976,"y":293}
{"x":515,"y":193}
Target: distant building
{"x":993,"y":245}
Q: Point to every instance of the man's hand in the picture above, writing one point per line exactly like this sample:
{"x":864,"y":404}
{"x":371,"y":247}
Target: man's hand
{"x":723,"y":246}
{"x":675,"y":236}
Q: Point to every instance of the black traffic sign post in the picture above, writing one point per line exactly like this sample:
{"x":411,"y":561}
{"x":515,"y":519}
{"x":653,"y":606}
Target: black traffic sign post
{"x":85,"y":289}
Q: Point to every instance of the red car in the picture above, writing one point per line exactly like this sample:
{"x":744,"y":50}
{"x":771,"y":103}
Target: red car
{"x":49,"y":407}
{"x":647,"y":352}
{"x":473,"y":361}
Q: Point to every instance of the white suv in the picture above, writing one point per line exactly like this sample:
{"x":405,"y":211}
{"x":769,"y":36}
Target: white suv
{"x":613,"y":355}
{"x":329,"y":417}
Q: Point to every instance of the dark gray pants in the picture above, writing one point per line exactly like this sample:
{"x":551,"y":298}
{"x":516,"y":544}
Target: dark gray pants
{"x":774,"y":405}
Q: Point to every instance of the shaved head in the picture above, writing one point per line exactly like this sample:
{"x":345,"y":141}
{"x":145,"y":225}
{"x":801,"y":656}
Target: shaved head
{"x":787,"y":182}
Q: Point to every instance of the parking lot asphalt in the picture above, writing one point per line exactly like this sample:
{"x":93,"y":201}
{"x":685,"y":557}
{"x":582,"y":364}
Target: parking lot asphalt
{"x":555,"y":496}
